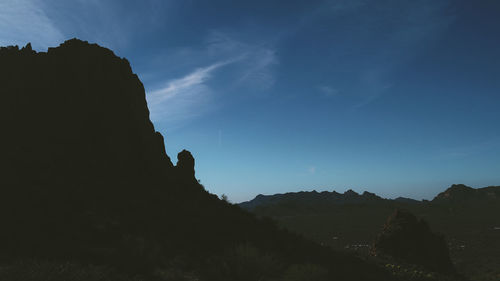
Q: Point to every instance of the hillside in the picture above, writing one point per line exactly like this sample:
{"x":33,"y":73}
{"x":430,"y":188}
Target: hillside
{"x":88,"y":192}
{"x":466,"y":216}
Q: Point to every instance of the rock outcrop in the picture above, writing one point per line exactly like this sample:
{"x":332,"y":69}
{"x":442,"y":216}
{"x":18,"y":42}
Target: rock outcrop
{"x":185,"y":164}
{"x":75,"y":108}
{"x":410,"y":239}
{"x":77,"y":140}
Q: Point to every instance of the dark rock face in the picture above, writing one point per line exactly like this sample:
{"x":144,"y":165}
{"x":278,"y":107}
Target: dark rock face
{"x":77,"y":107}
{"x":76,"y":139}
{"x":410,"y":239}
{"x":185,"y":163}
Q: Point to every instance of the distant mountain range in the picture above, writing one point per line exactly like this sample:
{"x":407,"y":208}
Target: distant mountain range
{"x":310,"y":197}
{"x":468,"y":217}
{"x":457,"y":193}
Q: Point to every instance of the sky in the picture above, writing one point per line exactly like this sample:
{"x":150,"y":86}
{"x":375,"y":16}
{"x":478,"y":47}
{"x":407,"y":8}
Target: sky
{"x":396,"y":97}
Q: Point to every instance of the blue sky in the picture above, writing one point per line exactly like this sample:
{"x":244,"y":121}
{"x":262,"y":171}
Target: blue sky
{"x":400,"y":98}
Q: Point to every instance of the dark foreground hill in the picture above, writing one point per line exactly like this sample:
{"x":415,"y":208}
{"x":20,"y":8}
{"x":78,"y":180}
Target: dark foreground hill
{"x":410,"y":239}
{"x":88,"y":192}
{"x":468,"y":218}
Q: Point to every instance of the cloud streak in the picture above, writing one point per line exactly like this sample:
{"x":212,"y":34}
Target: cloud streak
{"x":256,"y":60}
{"x":184,"y":84}
{"x":184,"y":97}
{"x":23,"y":21}
{"x":327,"y":91}
{"x":191,"y":95}
{"x":404,"y":30}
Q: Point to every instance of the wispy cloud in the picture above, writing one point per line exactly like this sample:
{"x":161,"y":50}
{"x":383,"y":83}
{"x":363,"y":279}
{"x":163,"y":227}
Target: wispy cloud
{"x":183,"y":97}
{"x":311,"y":170}
{"x":186,"y":83}
{"x":463,"y":151}
{"x":404,"y":30}
{"x":49,"y":23}
{"x":256,"y":60}
{"x":342,"y":6}
{"x":328,"y":91}
{"x":374,"y":85}
{"x":106,"y":23}
{"x":23,"y":21}
{"x":191,"y":95}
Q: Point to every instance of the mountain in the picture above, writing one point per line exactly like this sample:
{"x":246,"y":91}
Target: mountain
{"x":406,"y":200}
{"x":87,"y":188}
{"x":466,"y":216}
{"x":78,"y":147}
{"x":462,"y":194}
{"x":311,"y":199}
{"x":456,"y":194}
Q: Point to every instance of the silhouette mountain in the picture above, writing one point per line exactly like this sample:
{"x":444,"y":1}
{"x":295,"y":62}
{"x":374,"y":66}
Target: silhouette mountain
{"x":456,"y":194}
{"x":462,"y":194}
{"x":410,"y":239}
{"x":311,"y":199}
{"x":85,"y":177}
{"x":467,"y":216}
{"x":77,"y":140}
{"x":406,"y":200}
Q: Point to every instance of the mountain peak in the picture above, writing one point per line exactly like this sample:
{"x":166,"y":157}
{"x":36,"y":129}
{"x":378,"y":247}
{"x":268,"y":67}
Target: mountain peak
{"x":405,"y":200}
{"x":461,"y":194}
{"x":370,"y":195}
{"x":460,"y":187}
{"x":456,"y":192}
{"x":76,"y":43}
{"x":351,"y":192}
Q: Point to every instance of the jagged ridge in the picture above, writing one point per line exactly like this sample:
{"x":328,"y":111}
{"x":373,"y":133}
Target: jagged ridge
{"x":312,"y":198}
